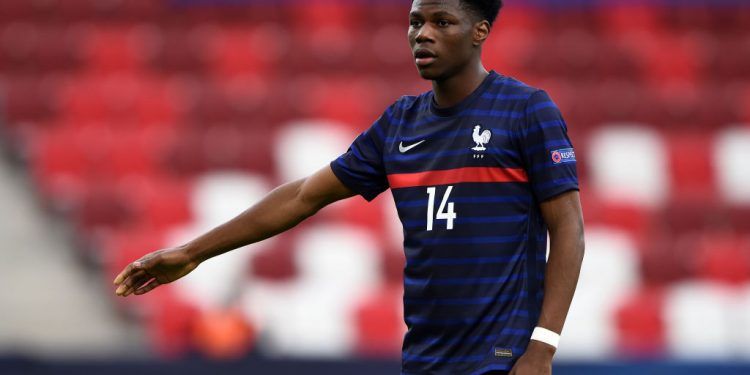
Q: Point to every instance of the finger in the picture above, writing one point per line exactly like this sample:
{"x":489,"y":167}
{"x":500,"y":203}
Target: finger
{"x":147,"y":288}
{"x":137,"y":283}
{"x":132,"y":267}
{"x":123,"y":274}
{"x":129,"y":280}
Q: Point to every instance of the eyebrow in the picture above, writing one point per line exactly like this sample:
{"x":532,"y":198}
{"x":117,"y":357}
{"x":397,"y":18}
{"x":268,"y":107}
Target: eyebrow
{"x":440,"y":13}
{"x":443,"y":13}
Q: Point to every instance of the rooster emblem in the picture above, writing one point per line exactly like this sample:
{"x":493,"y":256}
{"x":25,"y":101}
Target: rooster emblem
{"x":480,"y":139}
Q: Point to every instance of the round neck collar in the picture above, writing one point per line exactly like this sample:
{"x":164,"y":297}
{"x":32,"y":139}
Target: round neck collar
{"x":454,"y":109}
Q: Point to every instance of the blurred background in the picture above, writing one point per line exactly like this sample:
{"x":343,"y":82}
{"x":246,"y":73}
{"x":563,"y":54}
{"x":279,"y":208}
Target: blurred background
{"x":127,"y":126}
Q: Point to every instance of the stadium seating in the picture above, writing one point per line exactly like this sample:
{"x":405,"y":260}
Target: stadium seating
{"x":145,"y":123}
{"x":697,"y":320}
{"x":608,"y":276}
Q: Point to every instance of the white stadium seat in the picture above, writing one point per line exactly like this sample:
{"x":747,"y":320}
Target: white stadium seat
{"x":696,"y":315}
{"x":629,"y":165}
{"x":216,"y":198}
{"x":609,"y":273}
{"x":732,"y":153}
{"x":312,"y":316}
{"x":304,"y":147}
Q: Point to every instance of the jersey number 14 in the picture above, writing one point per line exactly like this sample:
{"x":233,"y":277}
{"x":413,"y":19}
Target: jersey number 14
{"x":442,"y":213}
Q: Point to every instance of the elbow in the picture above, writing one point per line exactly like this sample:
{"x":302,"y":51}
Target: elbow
{"x":581,"y":243}
{"x":581,"y":249}
{"x":306,"y":203}
{"x":570,"y":240}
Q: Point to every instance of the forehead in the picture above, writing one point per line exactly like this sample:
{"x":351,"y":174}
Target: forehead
{"x":431,"y":6}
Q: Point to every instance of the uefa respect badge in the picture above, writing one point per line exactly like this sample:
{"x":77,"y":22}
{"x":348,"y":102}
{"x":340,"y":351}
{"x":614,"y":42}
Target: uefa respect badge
{"x":565,"y":155}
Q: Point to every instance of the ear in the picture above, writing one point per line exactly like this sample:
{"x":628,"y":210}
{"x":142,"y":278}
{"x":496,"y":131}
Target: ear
{"x":481,"y":32}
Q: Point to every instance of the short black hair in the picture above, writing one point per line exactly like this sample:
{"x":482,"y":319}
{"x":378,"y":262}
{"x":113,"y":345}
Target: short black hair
{"x":485,"y":9}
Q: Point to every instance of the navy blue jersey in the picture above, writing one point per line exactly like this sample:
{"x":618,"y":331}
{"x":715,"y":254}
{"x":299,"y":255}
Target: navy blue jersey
{"x":467,"y":182}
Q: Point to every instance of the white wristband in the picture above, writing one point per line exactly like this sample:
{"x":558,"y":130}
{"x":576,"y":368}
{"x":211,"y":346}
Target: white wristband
{"x":546,"y":336}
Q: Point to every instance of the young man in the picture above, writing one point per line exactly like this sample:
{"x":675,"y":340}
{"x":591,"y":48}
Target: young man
{"x":481,"y":170}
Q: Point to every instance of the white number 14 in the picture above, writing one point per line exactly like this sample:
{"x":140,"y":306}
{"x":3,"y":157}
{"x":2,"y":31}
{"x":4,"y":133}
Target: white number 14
{"x":442,"y":214}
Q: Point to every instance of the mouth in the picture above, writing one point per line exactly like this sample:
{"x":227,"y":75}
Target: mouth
{"x":424,"y":57}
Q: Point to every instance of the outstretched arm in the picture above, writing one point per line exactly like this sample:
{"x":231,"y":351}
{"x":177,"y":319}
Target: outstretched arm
{"x":565,"y":222}
{"x":283,"y":208}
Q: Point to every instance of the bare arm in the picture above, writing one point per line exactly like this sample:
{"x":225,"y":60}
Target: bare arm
{"x":565,"y":222}
{"x":283,"y":208}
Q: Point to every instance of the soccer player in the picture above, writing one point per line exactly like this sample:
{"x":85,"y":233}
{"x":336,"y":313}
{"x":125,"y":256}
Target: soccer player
{"x":482,"y":170}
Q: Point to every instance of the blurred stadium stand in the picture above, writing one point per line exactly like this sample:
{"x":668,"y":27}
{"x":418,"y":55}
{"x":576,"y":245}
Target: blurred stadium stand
{"x":142,"y":123}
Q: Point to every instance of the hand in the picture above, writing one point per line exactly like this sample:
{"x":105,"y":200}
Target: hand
{"x":536,"y":361}
{"x":154,"y":269}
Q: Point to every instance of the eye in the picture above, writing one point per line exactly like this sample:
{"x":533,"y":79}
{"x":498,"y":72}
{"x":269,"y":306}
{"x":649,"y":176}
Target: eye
{"x":415,"y":23}
{"x":443,"y":23}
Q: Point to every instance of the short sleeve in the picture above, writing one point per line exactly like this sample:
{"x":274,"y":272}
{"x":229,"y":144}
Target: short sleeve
{"x":361,"y":167}
{"x":549,"y":156}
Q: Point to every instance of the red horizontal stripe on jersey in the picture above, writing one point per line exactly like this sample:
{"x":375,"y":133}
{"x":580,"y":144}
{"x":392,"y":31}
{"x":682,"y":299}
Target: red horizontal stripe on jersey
{"x":458,"y":175}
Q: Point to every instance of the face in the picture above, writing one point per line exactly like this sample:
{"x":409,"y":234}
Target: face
{"x":444,"y":37}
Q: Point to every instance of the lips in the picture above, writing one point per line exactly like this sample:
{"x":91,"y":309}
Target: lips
{"x":424,"y":57}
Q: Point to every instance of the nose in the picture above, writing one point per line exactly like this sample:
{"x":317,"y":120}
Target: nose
{"x":424,"y":34}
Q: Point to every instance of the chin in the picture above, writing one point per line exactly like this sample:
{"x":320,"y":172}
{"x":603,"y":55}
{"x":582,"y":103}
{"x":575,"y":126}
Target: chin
{"x":430,"y":74}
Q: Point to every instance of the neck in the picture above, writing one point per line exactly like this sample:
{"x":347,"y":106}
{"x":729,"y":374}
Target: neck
{"x":451,"y":91}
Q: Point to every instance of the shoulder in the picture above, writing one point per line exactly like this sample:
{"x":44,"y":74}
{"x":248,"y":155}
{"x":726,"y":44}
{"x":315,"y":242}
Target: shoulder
{"x":512,"y":87}
{"x":535,"y":99}
{"x":525,"y":94}
{"x":409,"y":103}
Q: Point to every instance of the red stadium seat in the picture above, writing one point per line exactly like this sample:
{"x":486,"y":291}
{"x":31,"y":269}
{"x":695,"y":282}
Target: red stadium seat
{"x":15,"y":10}
{"x":380,"y":325}
{"x":139,"y":99}
{"x":345,"y":99}
{"x":226,"y":147}
{"x":26,"y":98}
{"x":510,"y":51}
{"x":731,"y":66}
{"x":740,"y":218}
{"x":673,"y":59}
{"x":130,"y":202}
{"x":112,"y":49}
{"x":276,"y":263}
{"x":102,"y":209}
{"x":634,"y":219}
{"x":691,"y":166}
{"x":181,"y":51}
{"x":18,"y":40}
{"x":316,"y":14}
{"x":161,"y":102}
{"x":666,"y":258}
{"x":360,"y":212}
{"x":244,"y":99}
{"x":170,"y":324}
{"x":724,"y":257}
{"x":59,"y":49}
{"x":235,"y":51}
{"x":159,"y":203}
{"x":640,"y":325}
{"x":82,"y":101}
{"x":57,"y":163}
{"x":630,"y":17}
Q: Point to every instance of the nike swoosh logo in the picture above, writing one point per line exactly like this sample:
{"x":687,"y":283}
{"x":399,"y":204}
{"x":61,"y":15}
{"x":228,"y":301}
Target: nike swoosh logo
{"x":402,"y":148}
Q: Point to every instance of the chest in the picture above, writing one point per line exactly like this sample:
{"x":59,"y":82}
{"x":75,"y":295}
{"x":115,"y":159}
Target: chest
{"x":447,"y":143}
